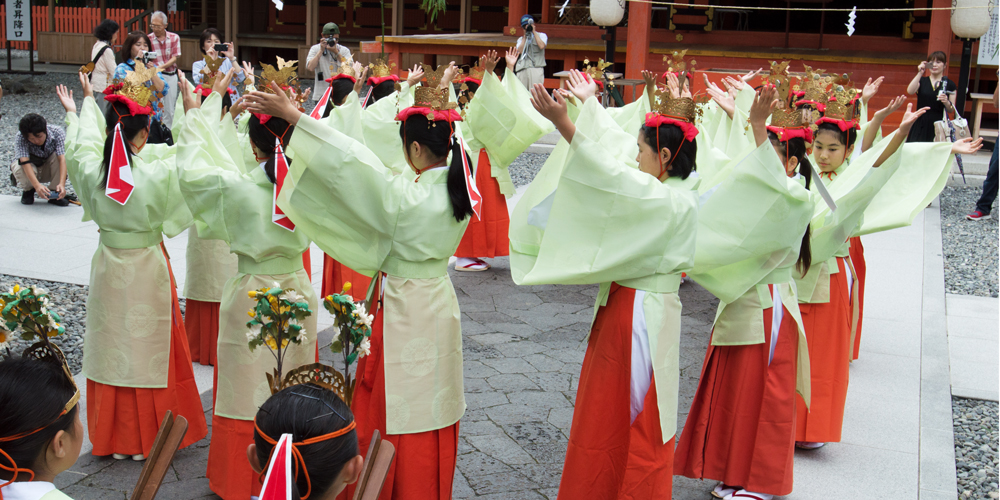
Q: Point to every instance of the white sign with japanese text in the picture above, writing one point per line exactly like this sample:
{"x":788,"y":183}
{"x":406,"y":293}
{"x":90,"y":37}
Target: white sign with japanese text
{"x":18,"y":20}
{"x":990,"y":42}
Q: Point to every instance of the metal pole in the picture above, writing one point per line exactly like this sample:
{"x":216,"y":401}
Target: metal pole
{"x":609,"y":45}
{"x":8,"y":56}
{"x":963,"y":76}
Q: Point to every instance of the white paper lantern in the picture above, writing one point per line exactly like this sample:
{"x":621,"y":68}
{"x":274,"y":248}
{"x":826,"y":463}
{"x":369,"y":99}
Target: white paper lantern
{"x":608,"y":12}
{"x":970,"y":23}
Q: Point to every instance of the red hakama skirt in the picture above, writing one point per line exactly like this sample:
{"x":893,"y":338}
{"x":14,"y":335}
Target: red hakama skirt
{"x":201,"y":320}
{"x":828,"y":331}
{"x":424,"y":466}
{"x":608,"y":456}
{"x":487,"y":235}
{"x":307,"y":263}
{"x":229,"y":473}
{"x":125,"y":420}
{"x":336,"y":274}
{"x":858,"y":259}
{"x":741,"y":428}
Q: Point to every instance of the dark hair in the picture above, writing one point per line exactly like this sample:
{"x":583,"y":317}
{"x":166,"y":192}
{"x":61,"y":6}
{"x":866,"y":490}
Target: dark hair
{"x":937,"y":55}
{"x":796,"y":148}
{"x":307,"y":411}
{"x":131,"y":40}
{"x":342,"y":87}
{"x":32,"y":394}
{"x":262,"y":136}
{"x":32,"y":123}
{"x":672,"y":137}
{"x":205,"y":35}
{"x":847,"y":138}
{"x":384,"y":89}
{"x":439,"y":139}
{"x":106,"y":30}
{"x":227,"y":100}
{"x":470,"y":91}
{"x":131,"y":125}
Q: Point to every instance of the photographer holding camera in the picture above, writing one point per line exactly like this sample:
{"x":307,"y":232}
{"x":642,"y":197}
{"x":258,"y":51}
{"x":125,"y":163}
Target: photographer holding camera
{"x":167,"y":47}
{"x":134,"y":50}
{"x":531,"y":54}
{"x":325,"y":58}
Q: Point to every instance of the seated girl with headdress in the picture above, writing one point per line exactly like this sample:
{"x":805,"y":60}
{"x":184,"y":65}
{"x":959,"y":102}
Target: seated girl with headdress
{"x":320,"y":428}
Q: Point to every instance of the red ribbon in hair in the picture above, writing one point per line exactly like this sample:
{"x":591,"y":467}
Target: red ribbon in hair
{"x":785,"y":134}
{"x":133,"y":107}
{"x":818,"y":105}
{"x":341,"y":76}
{"x":844,"y":125}
{"x":207,"y":91}
{"x":375,"y":80}
{"x":469,"y":79}
{"x":654,"y":119}
{"x":446,"y":115}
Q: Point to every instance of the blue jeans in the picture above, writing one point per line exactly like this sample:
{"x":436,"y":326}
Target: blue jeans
{"x":985,"y":202}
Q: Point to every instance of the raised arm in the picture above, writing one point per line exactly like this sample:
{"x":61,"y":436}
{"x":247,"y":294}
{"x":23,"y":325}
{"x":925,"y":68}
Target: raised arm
{"x":914,"y":84}
{"x":871,"y":131}
{"x":900,"y":136}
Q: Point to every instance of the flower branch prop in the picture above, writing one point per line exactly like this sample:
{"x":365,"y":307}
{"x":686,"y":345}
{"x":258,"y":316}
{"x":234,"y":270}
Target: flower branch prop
{"x":355,"y":325}
{"x":276,"y":321}
{"x":27,"y":308}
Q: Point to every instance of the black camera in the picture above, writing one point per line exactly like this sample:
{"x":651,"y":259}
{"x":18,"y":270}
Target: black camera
{"x":331,"y":41}
{"x":221,"y":47}
{"x":149,"y":56}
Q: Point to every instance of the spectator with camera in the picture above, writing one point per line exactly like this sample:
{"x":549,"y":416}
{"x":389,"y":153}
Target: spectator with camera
{"x":136,"y":48}
{"x":324,"y":58}
{"x":530,"y":66}
{"x":103,"y":57}
{"x":166,"y":47}
{"x":40,"y":157}
{"x":211,"y":45}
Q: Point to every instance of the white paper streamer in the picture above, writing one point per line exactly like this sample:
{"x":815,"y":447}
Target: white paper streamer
{"x":278,"y":4}
{"x":850,"y":20}
{"x":563,"y":8}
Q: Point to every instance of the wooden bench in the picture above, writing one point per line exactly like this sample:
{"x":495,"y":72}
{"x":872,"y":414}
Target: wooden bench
{"x":978,"y":100}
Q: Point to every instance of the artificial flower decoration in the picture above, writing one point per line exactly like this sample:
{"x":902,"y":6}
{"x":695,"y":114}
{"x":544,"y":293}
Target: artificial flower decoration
{"x":355,"y":325}
{"x":27,"y":308}
{"x":276,"y":321}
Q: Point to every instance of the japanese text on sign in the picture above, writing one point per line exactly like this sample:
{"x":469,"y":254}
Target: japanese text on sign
{"x":19,"y":20}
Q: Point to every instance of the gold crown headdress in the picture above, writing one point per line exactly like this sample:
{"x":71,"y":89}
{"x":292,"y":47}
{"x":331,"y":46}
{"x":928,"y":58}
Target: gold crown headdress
{"x":786,"y":116}
{"x":285,"y":76}
{"x":677,"y":65}
{"x":132,"y":90}
{"x":431,"y":101}
{"x":209,"y":74}
{"x":380,"y":72}
{"x":843,"y":103}
{"x":596,"y":72}
{"x":475,"y":74}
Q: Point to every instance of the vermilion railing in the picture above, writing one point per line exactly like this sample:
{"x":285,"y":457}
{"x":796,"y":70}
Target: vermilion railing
{"x":80,"y":20}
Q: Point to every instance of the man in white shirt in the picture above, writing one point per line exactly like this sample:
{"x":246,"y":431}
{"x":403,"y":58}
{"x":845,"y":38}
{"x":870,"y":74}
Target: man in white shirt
{"x":530,"y":67}
{"x":325,"y":58}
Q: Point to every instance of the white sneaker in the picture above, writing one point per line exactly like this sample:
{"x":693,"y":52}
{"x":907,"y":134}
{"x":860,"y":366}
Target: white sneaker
{"x":749,"y":495}
{"x":119,"y":456}
{"x":139,"y":458}
{"x":723,"y":491}
{"x":808,"y":445}
{"x":466,"y":264}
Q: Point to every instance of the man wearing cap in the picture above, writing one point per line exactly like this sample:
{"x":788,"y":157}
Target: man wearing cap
{"x":530,"y":67}
{"x":325,"y":58}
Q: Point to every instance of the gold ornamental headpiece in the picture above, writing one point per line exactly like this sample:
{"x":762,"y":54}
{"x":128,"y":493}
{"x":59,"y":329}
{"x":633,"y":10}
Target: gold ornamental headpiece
{"x":842,"y":104}
{"x":474,"y":75}
{"x":596,"y":72}
{"x":285,"y":76}
{"x":678,"y":66}
{"x":133,"y":91}
{"x":786,"y":116}
{"x":209,"y":74}
{"x":381,"y":72}
{"x":322,"y":375}
{"x":431,"y":101}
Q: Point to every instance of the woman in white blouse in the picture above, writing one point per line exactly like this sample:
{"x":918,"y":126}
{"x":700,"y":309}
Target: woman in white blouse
{"x":103,"y":57}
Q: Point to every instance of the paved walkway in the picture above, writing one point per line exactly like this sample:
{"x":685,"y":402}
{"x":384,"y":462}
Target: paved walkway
{"x":523,"y":348}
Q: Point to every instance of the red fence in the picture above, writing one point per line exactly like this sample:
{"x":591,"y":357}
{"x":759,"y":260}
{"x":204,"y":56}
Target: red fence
{"x":81,"y":20}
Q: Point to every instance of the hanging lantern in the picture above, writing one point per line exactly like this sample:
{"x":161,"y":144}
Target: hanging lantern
{"x":609,"y":12}
{"x":969,"y":22}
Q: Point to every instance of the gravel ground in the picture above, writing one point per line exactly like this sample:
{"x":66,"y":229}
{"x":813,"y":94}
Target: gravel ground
{"x":23,"y":94}
{"x":525,"y":167}
{"x":970,"y":247}
{"x":68,"y":301}
{"x":976,"y":447}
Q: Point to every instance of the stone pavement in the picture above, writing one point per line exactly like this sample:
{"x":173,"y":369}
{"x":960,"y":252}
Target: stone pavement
{"x":523,"y":349}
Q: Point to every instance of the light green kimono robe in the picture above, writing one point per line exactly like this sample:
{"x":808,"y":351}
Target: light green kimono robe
{"x":361,"y":214}
{"x":234,"y":205}
{"x":129,"y":307}
{"x":381,"y":130}
{"x":595,"y":218}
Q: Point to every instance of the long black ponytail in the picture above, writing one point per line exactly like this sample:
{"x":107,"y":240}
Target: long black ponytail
{"x":117,"y":113}
{"x":439,"y":140}
{"x":262,"y":136}
{"x":796,"y":148}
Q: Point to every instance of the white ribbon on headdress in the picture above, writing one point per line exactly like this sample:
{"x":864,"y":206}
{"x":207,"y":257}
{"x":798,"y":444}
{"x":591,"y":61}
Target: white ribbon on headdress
{"x":280,"y":171}
{"x":475,"y":197}
{"x":279,"y":478}
{"x":120,"y":182}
